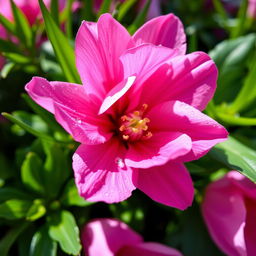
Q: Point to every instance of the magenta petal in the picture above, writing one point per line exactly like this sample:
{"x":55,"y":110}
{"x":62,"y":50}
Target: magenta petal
{"x":157,"y":150}
{"x":148,"y":249}
{"x":169,"y":184}
{"x":165,"y":30}
{"x":225,"y":214}
{"x":98,"y":48}
{"x":104,"y":237}
{"x":101,"y":174}
{"x":247,"y":187}
{"x":116,"y":93}
{"x":190,"y":78}
{"x":72,"y":109}
{"x":250,"y":227}
{"x":181,"y":117}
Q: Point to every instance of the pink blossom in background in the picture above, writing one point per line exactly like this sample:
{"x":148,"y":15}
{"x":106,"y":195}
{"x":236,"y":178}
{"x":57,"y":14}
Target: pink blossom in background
{"x":229,"y":210}
{"x":31,"y":10}
{"x":138,"y":114}
{"x":110,"y":237}
{"x":251,"y":11}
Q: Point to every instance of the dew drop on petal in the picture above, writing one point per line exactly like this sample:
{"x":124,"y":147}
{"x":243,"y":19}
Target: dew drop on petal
{"x":119,"y":162}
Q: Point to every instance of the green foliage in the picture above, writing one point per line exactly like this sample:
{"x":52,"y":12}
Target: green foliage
{"x":63,"y":229}
{"x":236,"y":156}
{"x":62,"y":48}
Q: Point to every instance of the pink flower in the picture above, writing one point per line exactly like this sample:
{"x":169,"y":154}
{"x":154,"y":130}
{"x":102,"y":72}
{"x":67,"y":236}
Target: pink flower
{"x":110,"y":237}
{"x":138,"y":116}
{"x":30,"y":8}
{"x":251,"y":11}
{"x":229,"y":210}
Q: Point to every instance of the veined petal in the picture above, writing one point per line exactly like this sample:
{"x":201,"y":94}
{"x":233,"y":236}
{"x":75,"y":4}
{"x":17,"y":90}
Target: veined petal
{"x":73,"y":109}
{"x":104,"y":237}
{"x":224,"y":213}
{"x":98,"y":48}
{"x":181,"y":117}
{"x":148,"y":249}
{"x":116,"y":93}
{"x":169,"y":184}
{"x":157,"y":150}
{"x":144,"y":59}
{"x":101,"y":174}
{"x":165,"y":30}
{"x":189,"y":78}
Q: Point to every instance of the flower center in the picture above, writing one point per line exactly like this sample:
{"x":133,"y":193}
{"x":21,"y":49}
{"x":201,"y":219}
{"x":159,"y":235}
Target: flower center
{"x":134,"y":126}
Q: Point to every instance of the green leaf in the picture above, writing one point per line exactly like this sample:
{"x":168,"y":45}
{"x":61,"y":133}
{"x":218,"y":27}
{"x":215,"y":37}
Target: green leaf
{"x":232,"y":57}
{"x":14,"y":209}
{"x":27,"y":127}
{"x":36,"y":211}
{"x":104,"y":8}
{"x":55,"y":11}
{"x":140,"y":19}
{"x":247,"y":94}
{"x":236,"y":120}
{"x":124,"y":8}
{"x":7,"y":193}
{"x":64,"y":52}
{"x":9,"y":26}
{"x":17,"y":58}
{"x":8,"y":46}
{"x":32,"y":173}
{"x":44,"y":114}
{"x":63,"y":229}
{"x":10,"y":237}
{"x":236,"y":156}
{"x":42,"y":244}
{"x":87,"y":10}
{"x":23,"y":29}
{"x":200,"y":244}
{"x":6,"y":69}
{"x":56,"y":168}
{"x":241,"y":18}
{"x":71,"y":197}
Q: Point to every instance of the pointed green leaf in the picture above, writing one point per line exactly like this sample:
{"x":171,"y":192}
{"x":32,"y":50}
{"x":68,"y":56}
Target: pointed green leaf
{"x":63,"y":229}
{"x":124,"y":8}
{"x":9,"y":26}
{"x":36,"y":211}
{"x":42,"y":244}
{"x":236,"y":156}
{"x":32,"y":173}
{"x":140,"y":19}
{"x":56,"y":168}
{"x":64,"y":52}
{"x":14,"y":209}
{"x":23,"y":29}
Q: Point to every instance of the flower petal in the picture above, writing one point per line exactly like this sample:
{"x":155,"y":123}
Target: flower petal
{"x":181,"y":117}
{"x":224,"y":213}
{"x":157,"y":150}
{"x":169,"y":184}
{"x":116,"y":93}
{"x":190,"y":78}
{"x":104,"y":237}
{"x":98,"y":48}
{"x":101,"y":174}
{"x":72,"y":109}
{"x":243,"y":184}
{"x":250,"y":227}
{"x":165,"y":30}
{"x":148,"y":249}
